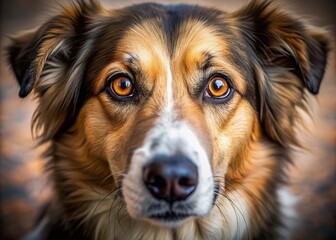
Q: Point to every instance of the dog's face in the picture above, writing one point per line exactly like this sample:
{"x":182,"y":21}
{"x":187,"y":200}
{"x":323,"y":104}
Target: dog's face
{"x":170,"y":98}
{"x":177,"y":133}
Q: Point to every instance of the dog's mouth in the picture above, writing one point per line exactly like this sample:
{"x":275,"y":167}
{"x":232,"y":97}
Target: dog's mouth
{"x":169,"y":216}
{"x":173,"y":218}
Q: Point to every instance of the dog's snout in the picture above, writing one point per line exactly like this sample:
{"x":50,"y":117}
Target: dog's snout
{"x":171,"y":178}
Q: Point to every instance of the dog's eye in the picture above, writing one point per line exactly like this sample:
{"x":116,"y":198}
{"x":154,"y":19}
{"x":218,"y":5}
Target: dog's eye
{"x":122,"y":86}
{"x":218,"y":87}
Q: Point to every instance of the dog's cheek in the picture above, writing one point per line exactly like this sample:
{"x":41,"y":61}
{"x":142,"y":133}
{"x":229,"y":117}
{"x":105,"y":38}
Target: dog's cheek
{"x":106,"y":128}
{"x":94,"y":126}
{"x":231,"y":137}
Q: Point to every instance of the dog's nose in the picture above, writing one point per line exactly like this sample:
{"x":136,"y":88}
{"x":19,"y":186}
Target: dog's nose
{"x":171,"y":178}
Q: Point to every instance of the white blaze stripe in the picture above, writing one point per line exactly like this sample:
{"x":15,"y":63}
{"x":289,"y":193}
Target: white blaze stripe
{"x":175,"y":136}
{"x":168,"y":114}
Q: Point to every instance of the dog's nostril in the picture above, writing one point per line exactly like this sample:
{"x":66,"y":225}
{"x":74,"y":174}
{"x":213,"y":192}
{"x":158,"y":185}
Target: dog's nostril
{"x":186,"y":182}
{"x":171,"y":178}
{"x":156,"y":183}
{"x":159,"y":182}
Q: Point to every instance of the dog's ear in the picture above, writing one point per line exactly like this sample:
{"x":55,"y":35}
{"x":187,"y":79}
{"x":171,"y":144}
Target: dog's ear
{"x":17,"y":56}
{"x":289,"y":56}
{"x":48,"y":61}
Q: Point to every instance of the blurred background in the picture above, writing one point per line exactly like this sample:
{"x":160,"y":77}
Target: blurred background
{"x":24,"y":186}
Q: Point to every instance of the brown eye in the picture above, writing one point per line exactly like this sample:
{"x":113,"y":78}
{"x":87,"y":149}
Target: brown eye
{"x":218,"y":87}
{"x":122,"y":86}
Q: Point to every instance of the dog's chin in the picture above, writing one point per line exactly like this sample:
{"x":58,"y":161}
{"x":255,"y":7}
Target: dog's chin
{"x":168,"y":219}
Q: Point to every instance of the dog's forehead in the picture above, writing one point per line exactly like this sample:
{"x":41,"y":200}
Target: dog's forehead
{"x":183,"y":37}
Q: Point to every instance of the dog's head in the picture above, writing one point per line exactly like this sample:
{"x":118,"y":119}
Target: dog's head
{"x":169,"y":97}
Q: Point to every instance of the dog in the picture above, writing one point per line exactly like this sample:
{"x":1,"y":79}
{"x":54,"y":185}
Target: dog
{"x":168,"y":121}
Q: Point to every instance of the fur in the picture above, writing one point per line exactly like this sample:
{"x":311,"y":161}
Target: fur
{"x":98,"y":143}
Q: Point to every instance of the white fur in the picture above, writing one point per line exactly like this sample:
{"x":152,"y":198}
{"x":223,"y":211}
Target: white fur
{"x":288,"y":213}
{"x":172,"y":137}
{"x":169,"y":98}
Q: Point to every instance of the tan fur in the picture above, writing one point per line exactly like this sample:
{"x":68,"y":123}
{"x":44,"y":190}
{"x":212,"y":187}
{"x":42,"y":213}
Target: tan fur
{"x":247,"y":139}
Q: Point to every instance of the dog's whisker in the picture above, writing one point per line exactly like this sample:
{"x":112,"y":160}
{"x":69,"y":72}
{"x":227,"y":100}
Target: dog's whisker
{"x":250,"y":193}
{"x":234,"y":207}
{"x":229,"y":186}
{"x":223,"y":216}
{"x":114,"y":192}
{"x":222,"y":192}
{"x":106,"y":178}
{"x":118,"y":217}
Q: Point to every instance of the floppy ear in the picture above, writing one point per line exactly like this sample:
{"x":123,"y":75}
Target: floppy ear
{"x":49,"y":61}
{"x":289,"y":56}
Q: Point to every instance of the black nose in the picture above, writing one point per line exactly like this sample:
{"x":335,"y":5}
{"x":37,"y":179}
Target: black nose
{"x":171,"y":178}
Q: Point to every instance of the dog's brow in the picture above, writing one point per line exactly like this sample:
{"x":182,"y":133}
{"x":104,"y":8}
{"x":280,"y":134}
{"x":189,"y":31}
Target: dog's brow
{"x":131,"y":58}
{"x":206,"y":63}
{"x":132,"y":61}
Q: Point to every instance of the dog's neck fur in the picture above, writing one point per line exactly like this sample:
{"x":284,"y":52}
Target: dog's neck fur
{"x":92,"y":199}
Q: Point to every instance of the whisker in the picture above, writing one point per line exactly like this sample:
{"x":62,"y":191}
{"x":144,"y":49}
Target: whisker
{"x":251,"y":194}
{"x":229,"y":185}
{"x":114,"y":192}
{"x":234,"y":207}
{"x":242,"y":215}
{"x":110,"y":211}
{"x":119,"y":209}
{"x":222,"y":215}
{"x":105,"y":179}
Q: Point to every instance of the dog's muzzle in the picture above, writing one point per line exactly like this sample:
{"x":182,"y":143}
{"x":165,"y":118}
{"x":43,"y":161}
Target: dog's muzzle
{"x":169,"y":179}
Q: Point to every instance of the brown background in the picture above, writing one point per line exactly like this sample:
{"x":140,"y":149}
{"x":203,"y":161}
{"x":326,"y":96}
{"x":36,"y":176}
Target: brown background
{"x":24,"y":188}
